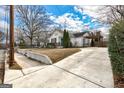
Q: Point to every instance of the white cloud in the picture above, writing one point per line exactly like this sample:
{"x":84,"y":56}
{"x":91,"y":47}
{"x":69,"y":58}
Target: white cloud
{"x":78,"y":9}
{"x":87,"y":23}
{"x":97,"y":12}
{"x":84,"y":17}
{"x":66,"y":19}
{"x":75,"y":23}
{"x":3,"y":9}
{"x":52,"y":17}
{"x":93,"y":20}
{"x":3,"y":25}
{"x":89,"y":10}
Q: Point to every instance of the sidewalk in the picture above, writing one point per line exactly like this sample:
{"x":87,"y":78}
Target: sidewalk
{"x":88,"y":68}
{"x":28,"y":66}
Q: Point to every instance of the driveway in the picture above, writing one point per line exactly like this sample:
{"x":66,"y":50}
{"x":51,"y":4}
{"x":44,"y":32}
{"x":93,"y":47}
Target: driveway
{"x":88,"y":68}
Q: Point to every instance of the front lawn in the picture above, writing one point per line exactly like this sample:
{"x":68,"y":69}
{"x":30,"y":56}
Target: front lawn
{"x":57,"y":54}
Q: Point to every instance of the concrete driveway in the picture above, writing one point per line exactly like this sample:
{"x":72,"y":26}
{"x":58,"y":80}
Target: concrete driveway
{"x":88,"y":68}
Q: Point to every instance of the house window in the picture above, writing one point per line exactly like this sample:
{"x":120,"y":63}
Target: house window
{"x":53,"y":40}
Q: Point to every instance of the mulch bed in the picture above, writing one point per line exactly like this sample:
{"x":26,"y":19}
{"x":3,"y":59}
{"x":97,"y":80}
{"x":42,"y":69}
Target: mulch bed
{"x":15,"y":66}
{"x":119,"y":82}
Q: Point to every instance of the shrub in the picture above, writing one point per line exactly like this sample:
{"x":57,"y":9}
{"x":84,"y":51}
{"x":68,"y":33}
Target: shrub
{"x":50,"y":45}
{"x":116,"y":48}
{"x":22,"y":44}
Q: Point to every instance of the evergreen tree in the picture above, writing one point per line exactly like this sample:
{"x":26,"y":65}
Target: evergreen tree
{"x":66,"y":39}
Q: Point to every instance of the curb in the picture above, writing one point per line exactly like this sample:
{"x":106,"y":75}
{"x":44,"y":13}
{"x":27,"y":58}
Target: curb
{"x":35,"y":56}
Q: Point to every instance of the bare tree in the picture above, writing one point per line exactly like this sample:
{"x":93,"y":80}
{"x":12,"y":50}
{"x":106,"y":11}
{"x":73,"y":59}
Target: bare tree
{"x":106,"y":13}
{"x":112,"y":13}
{"x":31,"y":20}
{"x":42,"y":38}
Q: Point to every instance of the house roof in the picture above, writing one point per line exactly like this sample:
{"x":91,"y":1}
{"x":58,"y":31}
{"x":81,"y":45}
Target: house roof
{"x":55,"y":31}
{"x":72,"y":34}
{"x":79,"y":34}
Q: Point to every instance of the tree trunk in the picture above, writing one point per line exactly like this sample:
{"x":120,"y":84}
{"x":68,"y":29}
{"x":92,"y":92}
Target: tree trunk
{"x":31,"y":44}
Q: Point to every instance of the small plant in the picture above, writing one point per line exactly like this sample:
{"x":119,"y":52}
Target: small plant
{"x":22,"y":44}
{"x":50,"y":45}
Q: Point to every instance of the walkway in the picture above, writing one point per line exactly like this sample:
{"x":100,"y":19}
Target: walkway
{"x":88,"y":68}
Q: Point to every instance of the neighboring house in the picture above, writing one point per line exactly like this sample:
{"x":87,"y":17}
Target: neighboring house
{"x":77,"y":39}
{"x":56,"y":38}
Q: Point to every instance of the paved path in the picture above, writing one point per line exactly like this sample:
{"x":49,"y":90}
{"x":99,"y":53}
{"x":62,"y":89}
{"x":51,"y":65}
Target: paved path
{"x":25,"y":62}
{"x":87,"y":68}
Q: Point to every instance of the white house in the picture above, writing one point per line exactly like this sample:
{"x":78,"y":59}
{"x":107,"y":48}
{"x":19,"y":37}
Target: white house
{"x":56,"y":37}
{"x":78,"y":39}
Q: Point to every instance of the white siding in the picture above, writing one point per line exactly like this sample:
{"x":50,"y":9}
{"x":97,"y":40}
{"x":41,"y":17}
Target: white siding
{"x":58,"y":35}
{"x":77,"y":41}
{"x":81,"y":41}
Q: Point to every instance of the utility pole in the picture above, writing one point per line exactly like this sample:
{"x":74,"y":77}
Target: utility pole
{"x":11,"y":55}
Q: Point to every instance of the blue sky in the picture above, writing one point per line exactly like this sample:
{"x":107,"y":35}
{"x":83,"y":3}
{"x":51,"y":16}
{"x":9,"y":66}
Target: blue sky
{"x":75,"y":13}
{"x":73,"y":18}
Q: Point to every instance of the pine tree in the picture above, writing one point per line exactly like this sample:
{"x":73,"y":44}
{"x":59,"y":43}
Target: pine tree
{"x":66,"y":39}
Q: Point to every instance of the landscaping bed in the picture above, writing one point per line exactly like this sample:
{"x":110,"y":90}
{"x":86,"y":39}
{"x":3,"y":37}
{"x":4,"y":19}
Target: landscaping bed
{"x":56,"y":54}
{"x":119,"y":82}
{"x":16,"y":66}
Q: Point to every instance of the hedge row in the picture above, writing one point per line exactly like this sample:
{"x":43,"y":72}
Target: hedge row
{"x":116,"y":48}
